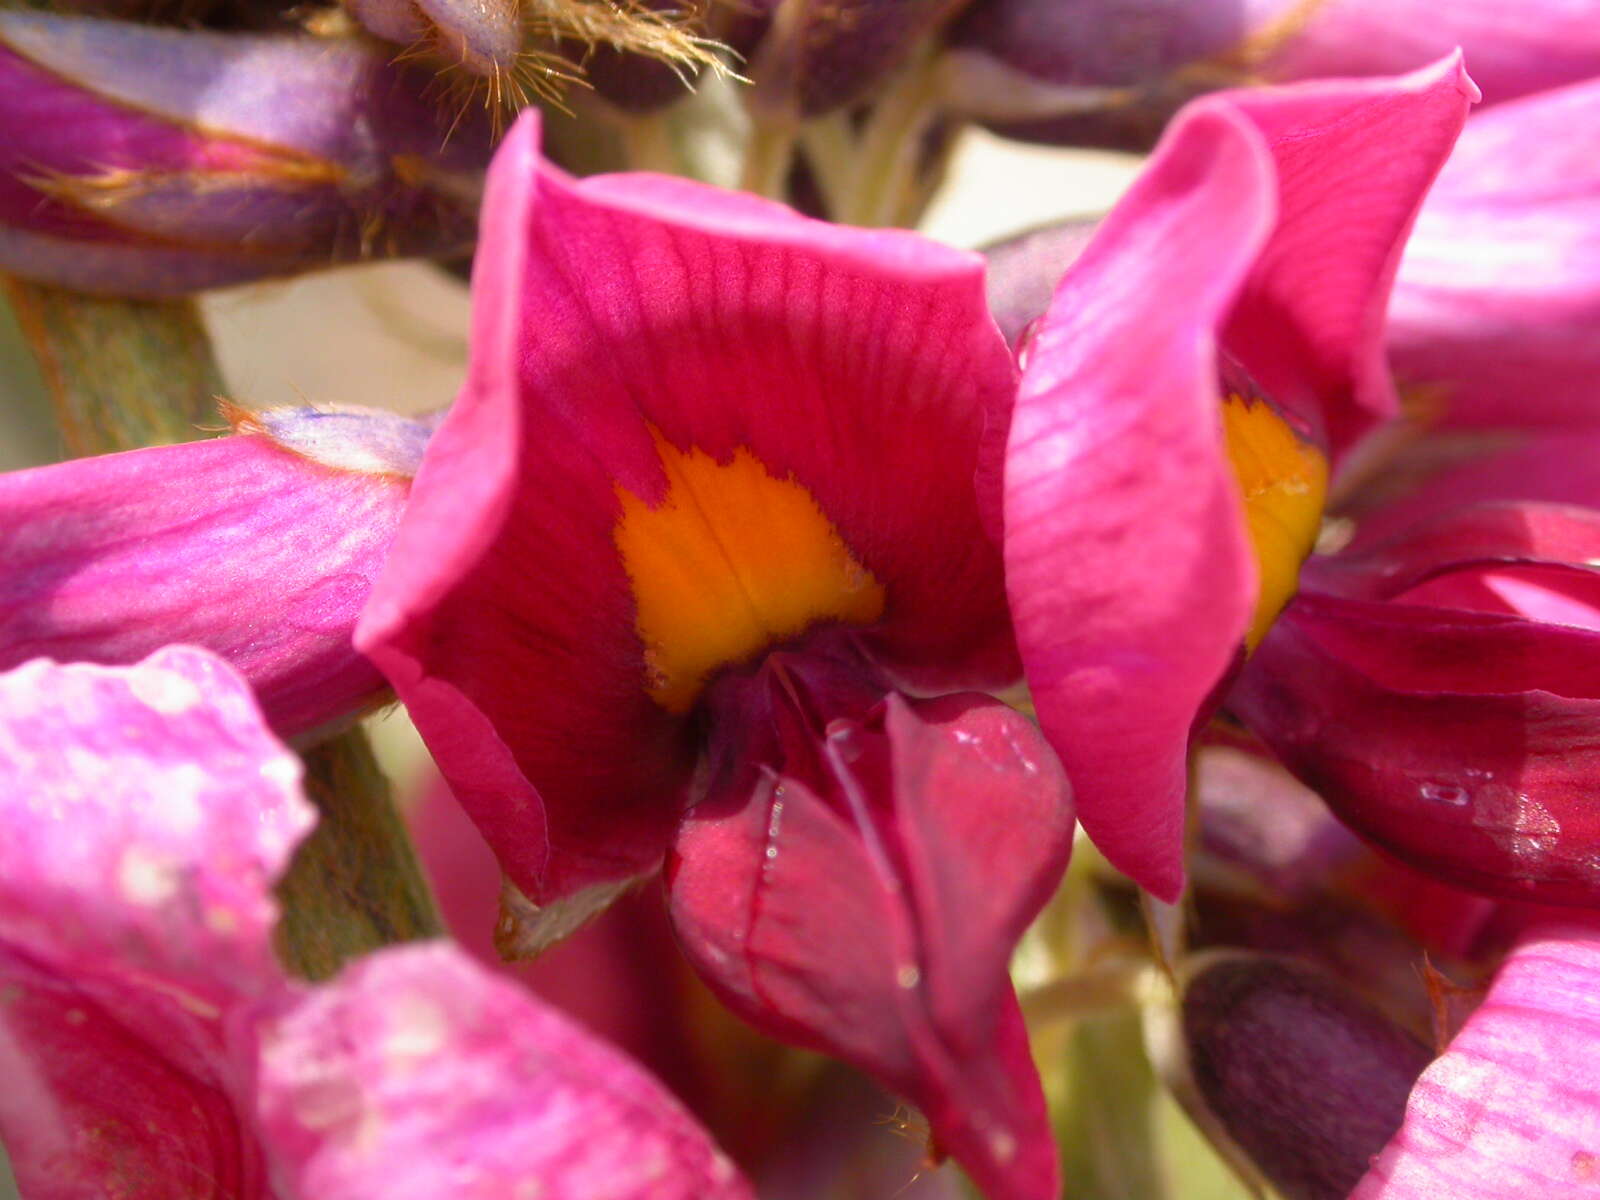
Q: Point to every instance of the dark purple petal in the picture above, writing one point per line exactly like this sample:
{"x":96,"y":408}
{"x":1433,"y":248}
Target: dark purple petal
{"x":1308,"y":1078}
{"x":151,"y":161}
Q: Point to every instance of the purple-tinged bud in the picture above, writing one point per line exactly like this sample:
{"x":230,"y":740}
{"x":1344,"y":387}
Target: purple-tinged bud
{"x":635,"y":82}
{"x":819,"y":55}
{"x":482,"y":37}
{"x":1111,"y":72}
{"x":154,"y":162}
{"x":1304,"y":1076}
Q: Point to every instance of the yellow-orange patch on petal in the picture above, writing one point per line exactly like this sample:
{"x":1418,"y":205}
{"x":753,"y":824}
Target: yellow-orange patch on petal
{"x":731,"y":561}
{"x":1284,"y":482}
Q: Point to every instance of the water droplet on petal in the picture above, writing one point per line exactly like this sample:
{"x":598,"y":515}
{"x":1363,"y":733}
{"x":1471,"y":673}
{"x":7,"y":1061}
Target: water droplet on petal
{"x":1452,"y":794}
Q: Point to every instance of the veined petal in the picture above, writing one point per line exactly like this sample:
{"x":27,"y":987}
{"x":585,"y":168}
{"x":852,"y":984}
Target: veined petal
{"x":235,"y":544}
{"x":1353,"y":161}
{"x":1510,"y":1108}
{"x":1462,"y":742}
{"x":645,"y":347}
{"x":147,"y":811}
{"x":417,"y":1074}
{"x":1267,"y":225}
{"x":861,"y":895}
{"x":1499,"y":290}
{"x":1126,"y":615}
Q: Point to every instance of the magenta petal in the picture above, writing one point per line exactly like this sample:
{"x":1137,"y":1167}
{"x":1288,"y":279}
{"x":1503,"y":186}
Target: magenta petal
{"x":255,"y":553}
{"x":870,"y":911}
{"x":1499,"y":292}
{"x":1128,"y":608}
{"x":1353,"y":161}
{"x":1268,"y":224}
{"x":1551,"y":468}
{"x":146,"y":813}
{"x":417,"y":1075}
{"x":1464,"y":743}
{"x":1510,"y":1109}
{"x":864,"y":365}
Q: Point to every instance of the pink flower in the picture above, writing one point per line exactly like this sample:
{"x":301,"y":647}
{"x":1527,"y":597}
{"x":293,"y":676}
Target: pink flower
{"x":1434,"y":682}
{"x":677,"y":576}
{"x":1219,"y":338}
{"x":152,"y":1044}
{"x":1499,"y":291}
{"x":1509,"y":1108}
{"x":261,"y":548}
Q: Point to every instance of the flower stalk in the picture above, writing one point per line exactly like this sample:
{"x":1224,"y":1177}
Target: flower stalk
{"x":120,"y":373}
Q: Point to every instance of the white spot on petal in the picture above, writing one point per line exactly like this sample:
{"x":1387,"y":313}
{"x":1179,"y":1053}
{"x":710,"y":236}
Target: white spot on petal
{"x":145,"y":878}
{"x":166,"y":692}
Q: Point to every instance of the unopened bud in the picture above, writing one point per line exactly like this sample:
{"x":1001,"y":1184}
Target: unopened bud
{"x":152,"y":162}
{"x":1111,"y":72}
{"x":1305,"y":1077}
{"x":819,"y":55}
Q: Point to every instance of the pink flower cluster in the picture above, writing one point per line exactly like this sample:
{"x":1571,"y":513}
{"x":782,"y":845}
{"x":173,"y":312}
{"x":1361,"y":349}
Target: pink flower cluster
{"x":740,"y":526}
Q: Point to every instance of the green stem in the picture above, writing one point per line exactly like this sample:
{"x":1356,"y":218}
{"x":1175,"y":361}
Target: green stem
{"x":355,"y":883}
{"x":1100,"y":989}
{"x":123,"y":374}
{"x":768,"y":156}
{"x":120,"y":373}
{"x":887,"y":156}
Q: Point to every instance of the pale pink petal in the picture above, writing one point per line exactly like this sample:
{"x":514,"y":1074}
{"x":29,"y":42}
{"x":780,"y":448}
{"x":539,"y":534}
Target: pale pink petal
{"x":1511,"y":1108}
{"x":147,"y":812}
{"x":1499,"y":292}
{"x":418,"y":1075}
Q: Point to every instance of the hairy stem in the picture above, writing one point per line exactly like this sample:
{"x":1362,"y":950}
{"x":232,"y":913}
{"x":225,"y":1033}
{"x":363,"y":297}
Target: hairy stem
{"x":355,"y":883}
{"x":120,"y":373}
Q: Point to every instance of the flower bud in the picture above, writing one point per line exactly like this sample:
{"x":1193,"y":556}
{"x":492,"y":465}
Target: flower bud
{"x":153,"y":162}
{"x":1111,"y":72}
{"x":819,"y":56}
{"x":1303,"y":1075}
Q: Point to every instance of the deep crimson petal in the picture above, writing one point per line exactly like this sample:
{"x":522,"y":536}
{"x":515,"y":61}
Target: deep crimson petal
{"x":868,"y":907}
{"x":863,"y":365}
{"x":418,"y":1074}
{"x":1510,"y":1109}
{"x":1267,"y":224}
{"x":233,"y":544}
{"x":1499,"y":291}
{"x":147,"y":811}
{"x":1472,"y":538}
{"x":1464,"y":743}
